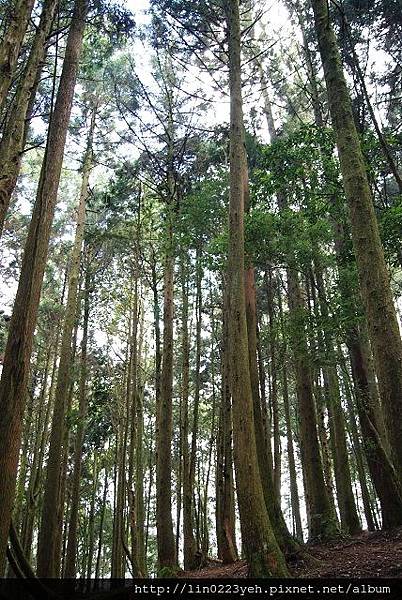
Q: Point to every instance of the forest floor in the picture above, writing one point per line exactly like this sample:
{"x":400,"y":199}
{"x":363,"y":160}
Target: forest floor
{"x":377,"y":554}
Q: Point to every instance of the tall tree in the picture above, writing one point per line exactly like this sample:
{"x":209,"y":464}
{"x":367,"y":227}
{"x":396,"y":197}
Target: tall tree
{"x":11,"y":44}
{"x":260,"y":546}
{"x":23,"y":320}
{"x":15,"y":130}
{"x":373,"y":275}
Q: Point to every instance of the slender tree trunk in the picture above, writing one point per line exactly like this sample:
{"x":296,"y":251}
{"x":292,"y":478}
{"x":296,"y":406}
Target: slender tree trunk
{"x":23,"y":320}
{"x":139,"y":466}
{"x":382,"y":471}
{"x":158,"y":355}
{"x":151,"y":457}
{"x":122,"y":432}
{"x":165,"y":537}
{"x":346,"y":503}
{"x":30,"y":503}
{"x":91,"y":519}
{"x":212,"y":443}
{"x":71,"y":554}
{"x":368,"y":512}
{"x":11,"y":45}
{"x":274,"y":389}
{"x":13,"y":139}
{"x":189,"y":542}
{"x":46,"y":543}
{"x":25,"y":452}
{"x":132,"y":394}
{"x":322,"y":517}
{"x":373,"y":275}
{"x":294,"y":493}
{"x":225,"y":502}
{"x":101,"y":522}
{"x":266,"y":418}
{"x":381,"y":468}
{"x":194,"y":433}
{"x":260,"y":546}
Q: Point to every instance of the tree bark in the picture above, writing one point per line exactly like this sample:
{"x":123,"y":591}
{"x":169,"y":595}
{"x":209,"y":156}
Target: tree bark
{"x":11,"y":45}
{"x":346,"y":503}
{"x":189,"y":542}
{"x":71,"y":553}
{"x":264,"y":557}
{"x":373,"y":276}
{"x":165,"y":537}
{"x":225,"y":502}
{"x":23,"y":320}
{"x":381,"y":468}
{"x":47,"y":533}
{"x":14,"y":135}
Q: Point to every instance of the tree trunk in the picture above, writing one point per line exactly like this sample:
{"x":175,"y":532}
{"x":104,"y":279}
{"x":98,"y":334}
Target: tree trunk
{"x":373,"y":276}
{"x":71,"y":554}
{"x":322,"y":519}
{"x":91,"y":519}
{"x":139,"y":465}
{"x":369,"y":514}
{"x":381,"y":469}
{"x":101,"y":521}
{"x":346,"y":503}
{"x":11,"y":45}
{"x":165,"y":537}
{"x":189,"y":543}
{"x":225,"y":502}
{"x":274,"y":389}
{"x":294,"y":493}
{"x":13,"y":139}
{"x":23,"y":320}
{"x":264,"y":557}
{"x":46,"y":543}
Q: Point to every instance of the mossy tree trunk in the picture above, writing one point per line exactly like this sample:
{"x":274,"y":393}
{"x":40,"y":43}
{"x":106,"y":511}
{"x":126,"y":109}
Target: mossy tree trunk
{"x":346,"y":503}
{"x":373,"y":275}
{"x":374,"y":443}
{"x":264,"y":557}
{"x":225,"y":502}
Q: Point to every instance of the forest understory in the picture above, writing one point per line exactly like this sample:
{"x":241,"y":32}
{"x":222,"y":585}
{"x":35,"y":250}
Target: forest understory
{"x":367,"y":555}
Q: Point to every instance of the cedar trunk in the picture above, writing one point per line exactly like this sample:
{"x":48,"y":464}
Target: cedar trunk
{"x":165,"y":537}
{"x":22,"y":325}
{"x":264,"y":557}
{"x":373,"y":275}
{"x":11,"y":45}
{"x":13,"y":139}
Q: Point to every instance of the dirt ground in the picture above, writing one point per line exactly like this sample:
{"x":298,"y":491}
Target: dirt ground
{"x":376,"y":554}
